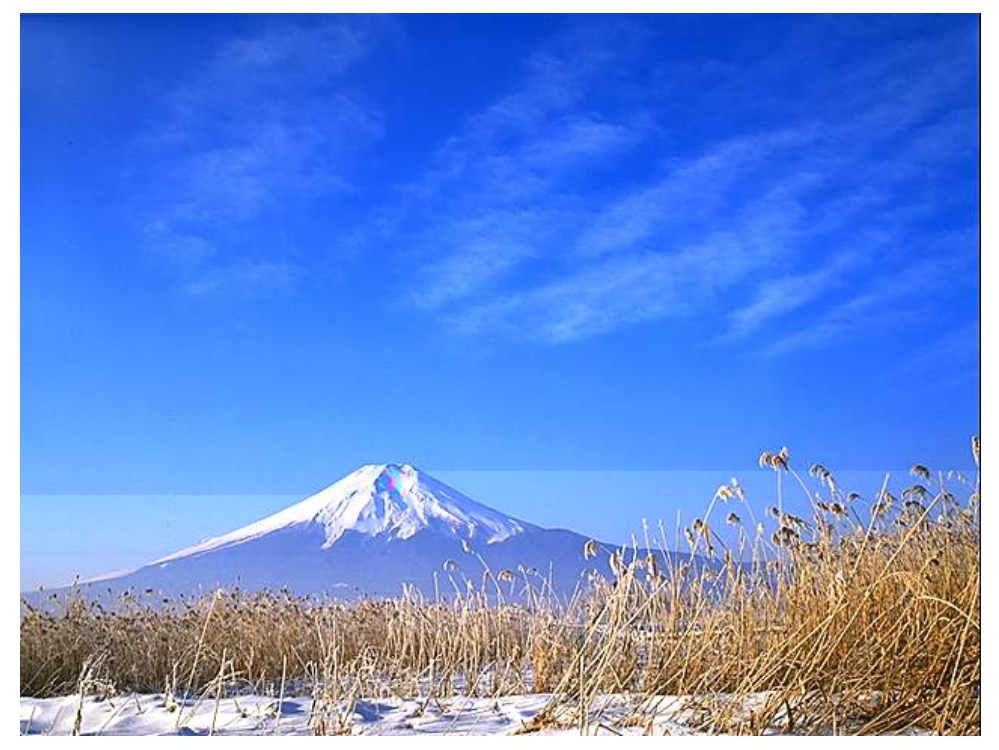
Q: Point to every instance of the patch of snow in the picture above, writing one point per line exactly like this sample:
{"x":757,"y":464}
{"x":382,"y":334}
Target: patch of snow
{"x":107,"y":576}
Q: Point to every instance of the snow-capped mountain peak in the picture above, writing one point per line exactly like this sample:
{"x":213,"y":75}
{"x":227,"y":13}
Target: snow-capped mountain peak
{"x":397,"y":501}
{"x":388,"y":501}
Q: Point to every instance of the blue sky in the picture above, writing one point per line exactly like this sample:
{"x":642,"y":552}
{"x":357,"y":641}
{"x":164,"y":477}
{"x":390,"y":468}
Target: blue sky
{"x":257,"y":252}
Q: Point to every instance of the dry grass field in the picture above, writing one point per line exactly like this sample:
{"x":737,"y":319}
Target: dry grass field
{"x":864,"y":617}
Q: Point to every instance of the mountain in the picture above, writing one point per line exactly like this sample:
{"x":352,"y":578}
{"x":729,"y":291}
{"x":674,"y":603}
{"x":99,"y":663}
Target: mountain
{"x":377,"y":529}
{"x":385,"y":501}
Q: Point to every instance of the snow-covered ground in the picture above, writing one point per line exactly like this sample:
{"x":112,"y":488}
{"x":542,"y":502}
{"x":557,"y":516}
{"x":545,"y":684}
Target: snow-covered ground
{"x":133,"y":714}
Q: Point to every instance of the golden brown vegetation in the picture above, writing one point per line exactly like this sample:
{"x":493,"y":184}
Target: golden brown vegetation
{"x":864,"y":618}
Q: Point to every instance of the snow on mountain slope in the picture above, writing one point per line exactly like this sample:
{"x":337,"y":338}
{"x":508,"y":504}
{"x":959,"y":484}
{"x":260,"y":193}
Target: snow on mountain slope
{"x":388,"y":501}
{"x":380,"y":529}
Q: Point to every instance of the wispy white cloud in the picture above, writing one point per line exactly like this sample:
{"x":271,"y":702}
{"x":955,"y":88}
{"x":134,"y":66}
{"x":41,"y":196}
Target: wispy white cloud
{"x":692,"y":191}
{"x":892,"y":296}
{"x":502,"y":188}
{"x":772,"y":222}
{"x":245,"y":276}
{"x":524,"y":220}
{"x":627,"y":288}
{"x":488,"y":245}
{"x":266,"y":122}
{"x":179,"y":249}
{"x":784,"y":293}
